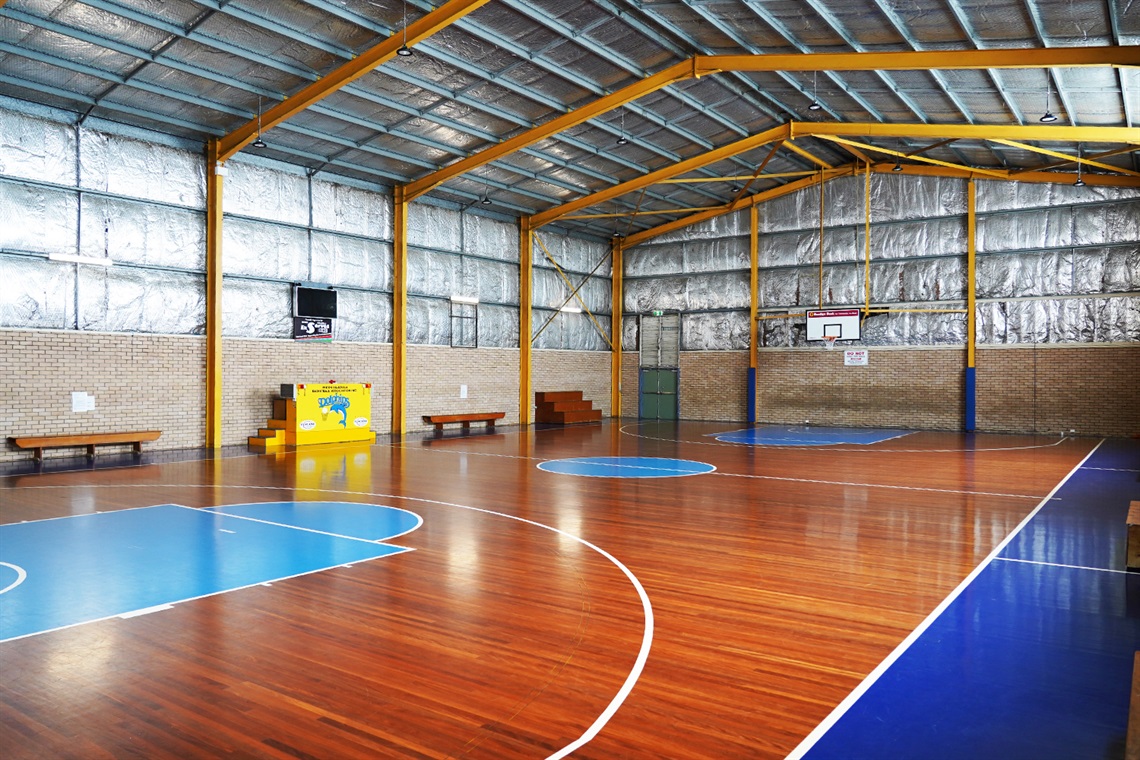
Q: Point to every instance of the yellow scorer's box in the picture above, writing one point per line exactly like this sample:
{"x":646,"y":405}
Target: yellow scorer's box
{"x":330,"y":413}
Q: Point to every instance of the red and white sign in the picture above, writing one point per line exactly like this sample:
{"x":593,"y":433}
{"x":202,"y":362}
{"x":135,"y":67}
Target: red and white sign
{"x":855,"y":357}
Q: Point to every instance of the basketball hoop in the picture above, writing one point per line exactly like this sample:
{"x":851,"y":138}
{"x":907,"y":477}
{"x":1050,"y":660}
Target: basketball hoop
{"x":829,"y":341}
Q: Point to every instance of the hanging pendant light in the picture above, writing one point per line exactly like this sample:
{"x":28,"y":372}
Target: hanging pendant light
{"x":404,"y":50}
{"x":815,"y":106}
{"x":258,"y":143}
{"x":1080,"y":180}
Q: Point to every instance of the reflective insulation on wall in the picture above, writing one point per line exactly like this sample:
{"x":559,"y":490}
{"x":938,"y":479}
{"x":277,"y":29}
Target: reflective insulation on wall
{"x":37,"y":148}
{"x":128,"y":299}
{"x":37,"y":293}
{"x":363,"y":316}
{"x":568,"y":330}
{"x":1069,"y":320}
{"x":549,"y":291}
{"x":257,"y":309}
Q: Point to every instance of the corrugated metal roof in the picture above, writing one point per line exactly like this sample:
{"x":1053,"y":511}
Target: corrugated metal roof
{"x":201,"y":69}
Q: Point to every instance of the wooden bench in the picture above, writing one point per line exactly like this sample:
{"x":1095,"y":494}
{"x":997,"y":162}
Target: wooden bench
{"x":40,"y":442}
{"x":1133,"y":551}
{"x":1132,"y":738}
{"x":439,"y":420}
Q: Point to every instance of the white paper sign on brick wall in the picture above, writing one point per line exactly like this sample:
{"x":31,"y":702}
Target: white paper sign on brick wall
{"x":855,"y":357}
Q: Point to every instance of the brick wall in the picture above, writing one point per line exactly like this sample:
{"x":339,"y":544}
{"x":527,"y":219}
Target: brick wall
{"x":436,"y":372}
{"x":140,"y":382}
{"x":629,"y":381}
{"x":586,"y":371}
{"x":912,"y":388}
{"x":1094,"y":390}
{"x":714,"y":385}
{"x":253,"y":372}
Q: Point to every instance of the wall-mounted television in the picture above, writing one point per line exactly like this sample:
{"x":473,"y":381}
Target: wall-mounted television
{"x":314,"y":302}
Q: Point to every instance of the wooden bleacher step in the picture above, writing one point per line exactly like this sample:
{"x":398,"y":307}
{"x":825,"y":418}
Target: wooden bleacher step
{"x":564,"y":408}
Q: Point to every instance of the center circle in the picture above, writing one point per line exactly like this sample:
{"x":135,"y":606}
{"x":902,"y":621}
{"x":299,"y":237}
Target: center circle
{"x":626,"y":467}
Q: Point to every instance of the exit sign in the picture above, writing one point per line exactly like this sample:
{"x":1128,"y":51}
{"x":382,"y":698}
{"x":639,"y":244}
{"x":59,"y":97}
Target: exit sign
{"x":657,"y":312}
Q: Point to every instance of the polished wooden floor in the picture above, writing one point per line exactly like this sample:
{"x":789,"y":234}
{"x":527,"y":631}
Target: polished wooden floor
{"x":777,"y":584}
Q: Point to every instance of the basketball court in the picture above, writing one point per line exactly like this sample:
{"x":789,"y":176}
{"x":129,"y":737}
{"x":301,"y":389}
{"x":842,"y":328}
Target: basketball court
{"x":624,"y":589}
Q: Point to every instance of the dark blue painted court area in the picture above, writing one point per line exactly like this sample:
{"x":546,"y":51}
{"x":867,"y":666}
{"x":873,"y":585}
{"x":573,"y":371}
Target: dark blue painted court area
{"x":1034,"y":658}
{"x":626,"y":467}
{"x":90,"y":567}
{"x":795,"y":435}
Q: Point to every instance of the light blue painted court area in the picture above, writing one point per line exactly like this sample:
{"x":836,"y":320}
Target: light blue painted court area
{"x":626,"y":467}
{"x":806,"y":435}
{"x":72,"y":570}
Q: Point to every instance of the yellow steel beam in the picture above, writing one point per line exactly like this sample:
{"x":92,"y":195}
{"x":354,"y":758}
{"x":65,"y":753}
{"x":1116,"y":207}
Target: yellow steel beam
{"x":655,"y":212}
{"x":971,"y":270}
{"x":1057,"y":154}
{"x":992,"y":132}
{"x":736,"y":178}
{"x":214,"y":173}
{"x":817,"y":161}
{"x":399,"y":311}
{"x":526,"y":270}
{"x":417,"y":31}
{"x":640,"y":237}
{"x":753,"y":290}
{"x":732,"y":149}
{"x":1034,"y":177}
{"x":923,"y":159}
{"x":676,"y":72}
{"x":616,"y":285}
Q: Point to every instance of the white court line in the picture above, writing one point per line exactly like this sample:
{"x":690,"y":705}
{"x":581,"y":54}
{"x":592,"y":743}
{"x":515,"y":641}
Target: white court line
{"x":803,"y":445}
{"x":1111,"y":469}
{"x":217,"y":511}
{"x":21,"y":576}
{"x":879,"y":485}
{"x":1058,"y":564}
{"x":842,"y":708}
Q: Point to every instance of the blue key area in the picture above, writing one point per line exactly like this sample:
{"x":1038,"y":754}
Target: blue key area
{"x":90,"y":567}
{"x":784,"y":435}
{"x":1032,"y":660}
{"x":626,"y":467}
{"x":369,"y":522}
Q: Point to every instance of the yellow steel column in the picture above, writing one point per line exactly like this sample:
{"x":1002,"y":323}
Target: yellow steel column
{"x":399,"y":310}
{"x":754,"y":307}
{"x":617,"y":261}
{"x":971,"y":304}
{"x":526,"y":271}
{"x":214,"y":173}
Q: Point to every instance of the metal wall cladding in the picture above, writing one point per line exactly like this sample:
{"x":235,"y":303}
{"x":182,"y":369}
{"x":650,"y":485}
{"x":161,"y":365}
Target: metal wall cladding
{"x":493,"y":281}
{"x":498,"y":326}
{"x":435,"y":227}
{"x":343,"y":208}
{"x":255,"y":309}
{"x":429,"y":321}
{"x":914,"y":328}
{"x":1085,"y":320}
{"x":264,"y":249}
{"x":688,"y":292}
{"x":433,"y":273}
{"x":549,"y":290}
{"x":143,"y":233}
{"x":259,"y":191}
{"x":38,"y":218}
{"x":1000,"y":196}
{"x":37,"y":293}
{"x":735,"y":224}
{"x":36,"y":148}
{"x":648,"y":260}
{"x":629,"y":334}
{"x":570,"y":331}
{"x":363,"y":316}
{"x":138,"y":169}
{"x":340,"y":260}
{"x":573,"y":254}
{"x":714,"y":331}
{"x":896,"y":197}
{"x":122,"y":299}
{"x":491,"y":238}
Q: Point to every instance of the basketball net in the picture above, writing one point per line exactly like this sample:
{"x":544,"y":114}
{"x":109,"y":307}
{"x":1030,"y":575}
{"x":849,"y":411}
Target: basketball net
{"x":829,"y":341}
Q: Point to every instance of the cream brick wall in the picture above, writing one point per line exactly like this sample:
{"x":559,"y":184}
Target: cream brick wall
{"x":714,"y":385}
{"x":436,"y":372}
{"x":1094,"y":390}
{"x":629,"y":384}
{"x":253,"y":372}
{"x":140,"y":382}
{"x":586,"y":371}
{"x":912,"y":388}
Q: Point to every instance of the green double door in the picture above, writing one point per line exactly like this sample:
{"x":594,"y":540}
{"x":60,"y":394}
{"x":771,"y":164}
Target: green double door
{"x":658,"y":394}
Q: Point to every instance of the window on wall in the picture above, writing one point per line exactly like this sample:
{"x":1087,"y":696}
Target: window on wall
{"x":464,"y":324}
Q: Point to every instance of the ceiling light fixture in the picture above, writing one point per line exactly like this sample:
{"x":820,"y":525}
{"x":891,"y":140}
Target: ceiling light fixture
{"x":486,"y":199}
{"x":815,"y":106}
{"x":404,"y":50}
{"x":1048,"y":118}
{"x":897,"y":166}
{"x":1080,"y":180}
{"x":258,"y":143}
{"x":623,"y":140}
